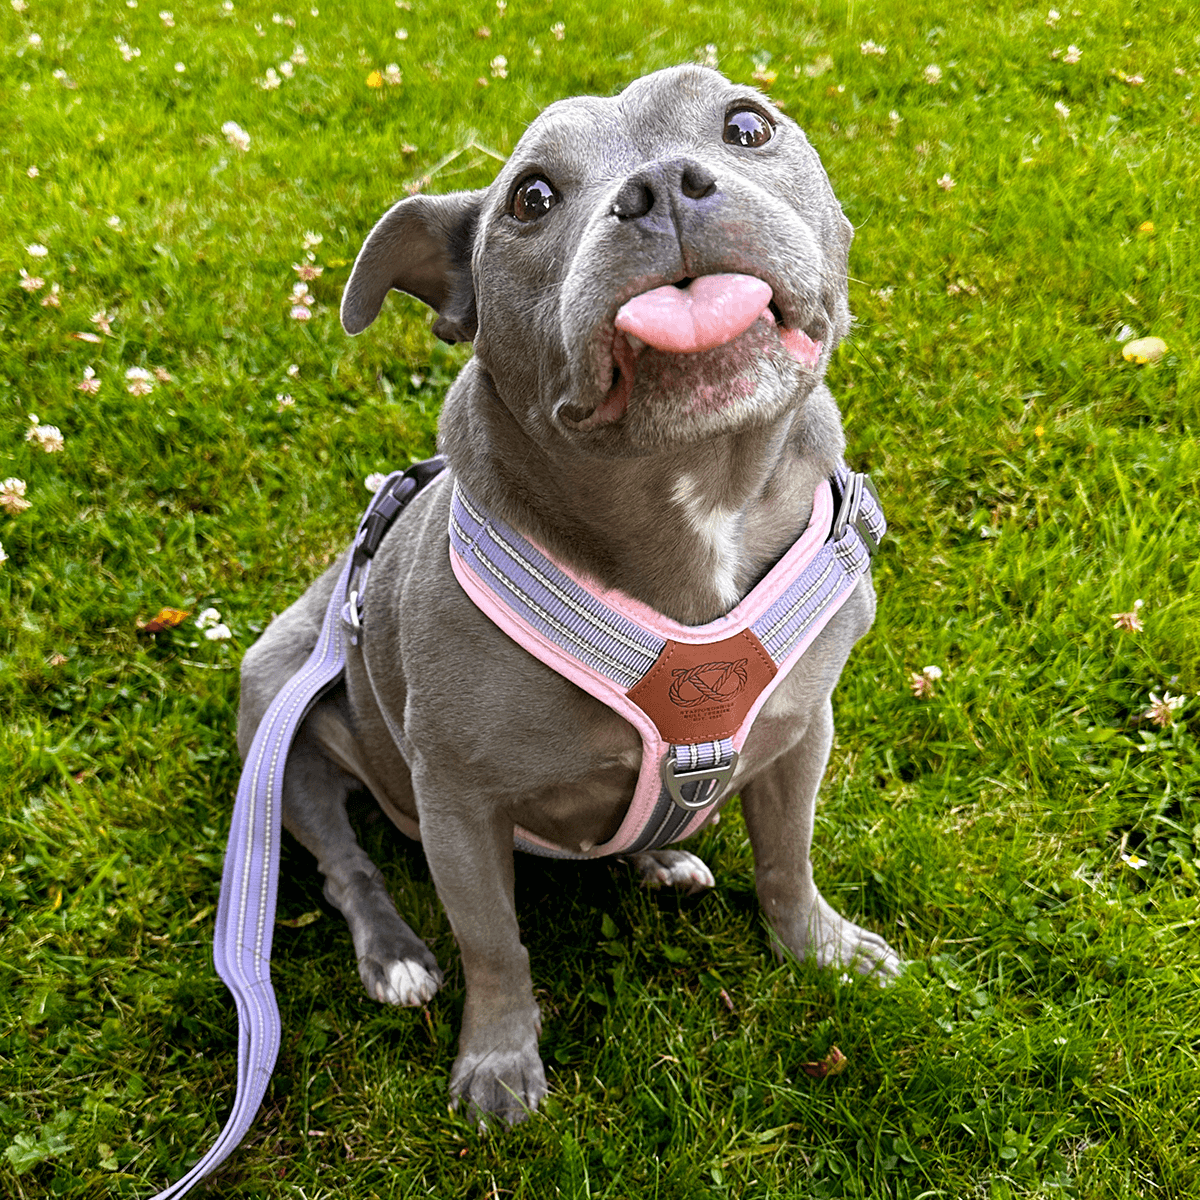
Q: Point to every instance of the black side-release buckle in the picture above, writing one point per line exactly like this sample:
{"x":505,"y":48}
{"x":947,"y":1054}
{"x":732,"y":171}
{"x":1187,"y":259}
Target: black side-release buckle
{"x":849,"y":511}
{"x":391,"y":504}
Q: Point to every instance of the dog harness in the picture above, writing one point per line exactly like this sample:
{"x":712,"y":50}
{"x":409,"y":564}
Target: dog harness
{"x":692,"y":692}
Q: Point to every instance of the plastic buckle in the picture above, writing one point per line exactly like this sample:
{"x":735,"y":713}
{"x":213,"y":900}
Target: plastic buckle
{"x":675,"y":780}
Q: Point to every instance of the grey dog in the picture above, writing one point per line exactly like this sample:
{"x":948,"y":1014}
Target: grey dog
{"x":648,"y":471}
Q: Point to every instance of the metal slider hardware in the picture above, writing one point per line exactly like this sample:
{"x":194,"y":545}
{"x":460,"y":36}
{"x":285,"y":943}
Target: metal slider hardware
{"x":850,"y":511}
{"x":675,"y":781}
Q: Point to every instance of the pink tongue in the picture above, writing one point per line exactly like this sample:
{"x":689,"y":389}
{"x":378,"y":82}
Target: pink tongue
{"x":712,"y":310}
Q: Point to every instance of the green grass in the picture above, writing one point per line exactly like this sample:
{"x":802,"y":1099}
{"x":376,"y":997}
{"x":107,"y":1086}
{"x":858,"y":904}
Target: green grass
{"x":1045,"y":1041}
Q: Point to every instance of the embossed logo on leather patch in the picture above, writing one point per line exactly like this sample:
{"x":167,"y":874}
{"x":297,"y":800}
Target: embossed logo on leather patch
{"x":696,"y":693}
{"x":715,"y":682}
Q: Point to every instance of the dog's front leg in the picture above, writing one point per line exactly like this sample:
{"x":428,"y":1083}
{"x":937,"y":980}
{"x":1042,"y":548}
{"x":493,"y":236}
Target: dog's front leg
{"x":470,"y":851}
{"x":779,"y":807}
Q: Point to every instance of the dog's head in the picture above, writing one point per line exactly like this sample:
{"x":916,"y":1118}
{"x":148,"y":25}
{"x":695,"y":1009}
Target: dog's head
{"x":648,"y":269}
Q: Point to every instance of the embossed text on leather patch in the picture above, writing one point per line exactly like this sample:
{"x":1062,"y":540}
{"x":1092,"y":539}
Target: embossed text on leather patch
{"x":697,"y":693}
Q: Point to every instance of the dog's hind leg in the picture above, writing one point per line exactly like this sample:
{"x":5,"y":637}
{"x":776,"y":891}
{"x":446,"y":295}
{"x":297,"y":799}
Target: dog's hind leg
{"x":395,"y":965}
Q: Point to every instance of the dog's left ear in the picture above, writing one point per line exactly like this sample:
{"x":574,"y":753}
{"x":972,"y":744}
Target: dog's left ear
{"x":421,"y":246}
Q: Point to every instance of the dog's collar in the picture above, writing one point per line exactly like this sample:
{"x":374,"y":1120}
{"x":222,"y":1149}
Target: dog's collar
{"x":692,"y":692}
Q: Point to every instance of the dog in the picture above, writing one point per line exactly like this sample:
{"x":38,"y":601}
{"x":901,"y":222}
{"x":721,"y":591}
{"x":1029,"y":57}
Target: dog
{"x":670,"y":454}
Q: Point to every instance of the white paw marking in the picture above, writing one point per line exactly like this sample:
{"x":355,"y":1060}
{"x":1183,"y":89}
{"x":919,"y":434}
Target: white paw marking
{"x":674,"y":868}
{"x":408,"y":983}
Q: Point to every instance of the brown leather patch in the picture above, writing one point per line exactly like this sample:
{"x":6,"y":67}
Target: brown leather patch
{"x":700,"y":693}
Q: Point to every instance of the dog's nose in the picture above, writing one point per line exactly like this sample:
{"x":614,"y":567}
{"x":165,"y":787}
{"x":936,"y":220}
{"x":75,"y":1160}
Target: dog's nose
{"x":659,"y":189}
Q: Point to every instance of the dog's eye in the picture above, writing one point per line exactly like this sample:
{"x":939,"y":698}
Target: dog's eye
{"x":534,"y":198}
{"x":747,"y":127}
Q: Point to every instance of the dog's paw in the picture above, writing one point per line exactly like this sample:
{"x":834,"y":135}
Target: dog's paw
{"x":672,"y":868}
{"x":499,"y":1085}
{"x":402,"y":981}
{"x":833,"y":941}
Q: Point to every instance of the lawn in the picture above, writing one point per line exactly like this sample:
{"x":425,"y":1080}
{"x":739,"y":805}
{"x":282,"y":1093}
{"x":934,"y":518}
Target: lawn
{"x":1024,"y":827}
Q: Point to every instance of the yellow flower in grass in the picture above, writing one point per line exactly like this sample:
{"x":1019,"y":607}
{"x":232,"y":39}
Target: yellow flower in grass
{"x":375,"y":80}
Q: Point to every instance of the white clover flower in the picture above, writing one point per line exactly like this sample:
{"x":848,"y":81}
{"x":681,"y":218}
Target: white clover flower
{"x":1131,"y":622}
{"x":391,"y":75}
{"x":946,"y":182}
{"x":12,"y":496}
{"x":36,"y":250}
{"x":499,"y":66}
{"x":140,"y":381}
{"x":374,"y":481}
{"x":180,"y":68}
{"x":921,"y":682}
{"x":312,"y":240}
{"x":402,"y":35}
{"x":1053,"y":17}
{"x":283,"y":401}
{"x":48,"y":437}
{"x":3,"y":556}
{"x":35,"y":40}
{"x":286,"y":69}
{"x":559,"y":30}
{"x":270,"y":81}
{"x":299,"y":57}
{"x":301,"y":294}
{"x":103,"y":321}
{"x":235,"y":134}
{"x":293,"y":370}
{"x":933,"y":74}
{"x":874,"y":48}
{"x":1073,"y":54}
{"x":208,"y":618}
{"x":89,"y":383}
{"x":300,"y":313}
{"x":33,"y":172}
{"x":218,"y":633}
{"x":50,"y":300}
{"x":1162,"y":711}
{"x":31,"y":283}
{"x":1062,"y":110}
{"x":19,"y":6}
{"x":113,"y":222}
{"x":167,"y":18}
{"x":710,"y":51}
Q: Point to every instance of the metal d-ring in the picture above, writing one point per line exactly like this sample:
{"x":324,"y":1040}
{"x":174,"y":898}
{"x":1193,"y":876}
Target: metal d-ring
{"x":675,"y":781}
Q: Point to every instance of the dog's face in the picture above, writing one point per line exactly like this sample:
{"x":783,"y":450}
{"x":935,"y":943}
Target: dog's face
{"x":573,"y":272}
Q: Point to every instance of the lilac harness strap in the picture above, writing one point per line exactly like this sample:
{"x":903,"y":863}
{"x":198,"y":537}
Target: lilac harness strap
{"x":246,"y":909}
{"x":613,"y":647}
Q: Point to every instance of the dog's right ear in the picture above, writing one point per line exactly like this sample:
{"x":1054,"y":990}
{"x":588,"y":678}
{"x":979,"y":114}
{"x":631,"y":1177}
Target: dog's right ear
{"x":421,"y":246}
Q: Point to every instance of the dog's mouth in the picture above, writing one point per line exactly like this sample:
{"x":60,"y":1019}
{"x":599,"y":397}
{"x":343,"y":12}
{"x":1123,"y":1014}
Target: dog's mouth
{"x":689,"y":318}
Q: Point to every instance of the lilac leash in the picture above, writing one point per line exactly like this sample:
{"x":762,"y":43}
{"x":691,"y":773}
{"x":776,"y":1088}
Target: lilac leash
{"x":246,"y":909}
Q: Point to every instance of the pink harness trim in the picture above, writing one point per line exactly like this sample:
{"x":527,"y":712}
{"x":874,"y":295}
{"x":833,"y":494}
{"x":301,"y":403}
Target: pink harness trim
{"x":468,"y":558}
